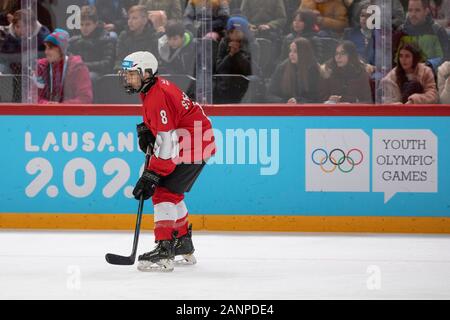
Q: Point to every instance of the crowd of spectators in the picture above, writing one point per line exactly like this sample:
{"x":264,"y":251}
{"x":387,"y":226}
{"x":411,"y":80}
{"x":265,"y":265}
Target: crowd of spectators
{"x":263,"y":51}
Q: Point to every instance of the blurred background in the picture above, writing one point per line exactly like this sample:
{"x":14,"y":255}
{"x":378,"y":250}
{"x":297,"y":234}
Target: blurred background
{"x":229,"y":51}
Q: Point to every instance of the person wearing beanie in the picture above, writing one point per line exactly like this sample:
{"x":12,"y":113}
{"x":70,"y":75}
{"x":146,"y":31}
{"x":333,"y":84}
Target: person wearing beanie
{"x":240,"y":23}
{"x":62,"y":78}
{"x":236,"y":56}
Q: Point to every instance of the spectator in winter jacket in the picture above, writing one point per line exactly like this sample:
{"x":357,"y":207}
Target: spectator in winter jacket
{"x":303,"y":25}
{"x":409,"y":70}
{"x":398,"y":12}
{"x":176,"y":50}
{"x":94,"y":44}
{"x":235,"y":57}
{"x":361,"y":35}
{"x":11,"y":45}
{"x":267,"y":17}
{"x":444,"y":82}
{"x":193,"y":17}
{"x":112,"y":14}
{"x":332,"y":15}
{"x":62,"y":78}
{"x":346,"y":78}
{"x":420,"y":28}
{"x":140,"y":36}
{"x":297,"y":79}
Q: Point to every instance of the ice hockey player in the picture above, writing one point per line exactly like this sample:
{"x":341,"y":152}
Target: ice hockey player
{"x":181,"y":140}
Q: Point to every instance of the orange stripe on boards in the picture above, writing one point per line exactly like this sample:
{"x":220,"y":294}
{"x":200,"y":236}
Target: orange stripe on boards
{"x":79,"y":221}
{"x":231,"y":223}
{"x":328,"y":224}
{"x":71,"y":221}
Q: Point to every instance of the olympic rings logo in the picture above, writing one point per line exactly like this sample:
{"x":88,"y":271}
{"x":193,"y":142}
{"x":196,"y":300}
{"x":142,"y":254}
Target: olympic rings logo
{"x":320,"y":157}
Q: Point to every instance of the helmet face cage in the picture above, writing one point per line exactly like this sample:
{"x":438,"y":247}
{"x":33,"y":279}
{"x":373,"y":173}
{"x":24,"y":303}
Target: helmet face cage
{"x":124,"y":76}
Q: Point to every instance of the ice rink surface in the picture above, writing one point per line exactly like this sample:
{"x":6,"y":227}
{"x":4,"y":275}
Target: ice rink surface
{"x":71,"y":265}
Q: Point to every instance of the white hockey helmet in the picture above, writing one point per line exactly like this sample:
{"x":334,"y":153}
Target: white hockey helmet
{"x":141,"y":61}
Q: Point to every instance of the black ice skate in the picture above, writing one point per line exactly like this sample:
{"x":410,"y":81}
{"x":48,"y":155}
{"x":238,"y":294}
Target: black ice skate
{"x":159,"y":259}
{"x":185,"y":248}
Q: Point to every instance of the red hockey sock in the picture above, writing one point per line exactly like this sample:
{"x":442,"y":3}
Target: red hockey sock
{"x":181,"y":226}
{"x":164,"y":230}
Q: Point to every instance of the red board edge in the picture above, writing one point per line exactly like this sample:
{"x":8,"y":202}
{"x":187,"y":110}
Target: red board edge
{"x":235,"y":110}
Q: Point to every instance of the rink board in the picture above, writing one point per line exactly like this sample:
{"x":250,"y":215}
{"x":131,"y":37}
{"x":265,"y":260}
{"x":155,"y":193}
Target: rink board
{"x":74,"y":167}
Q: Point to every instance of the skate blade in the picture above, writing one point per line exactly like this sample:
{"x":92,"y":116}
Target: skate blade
{"x":161,"y":266}
{"x":186,"y":260}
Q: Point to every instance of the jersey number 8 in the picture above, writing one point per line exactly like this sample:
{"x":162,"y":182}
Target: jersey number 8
{"x":163,"y":117}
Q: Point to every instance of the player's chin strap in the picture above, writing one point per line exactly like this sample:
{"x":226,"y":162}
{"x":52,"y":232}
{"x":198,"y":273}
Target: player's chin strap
{"x":147,"y":84}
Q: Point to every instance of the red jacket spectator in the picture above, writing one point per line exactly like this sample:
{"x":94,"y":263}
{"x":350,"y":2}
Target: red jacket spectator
{"x":62,"y":78}
{"x":77,"y":87}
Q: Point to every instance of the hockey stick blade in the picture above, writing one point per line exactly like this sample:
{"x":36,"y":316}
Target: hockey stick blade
{"x":120,"y":260}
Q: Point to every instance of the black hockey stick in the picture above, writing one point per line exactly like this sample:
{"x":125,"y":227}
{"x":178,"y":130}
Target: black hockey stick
{"x":123,"y":260}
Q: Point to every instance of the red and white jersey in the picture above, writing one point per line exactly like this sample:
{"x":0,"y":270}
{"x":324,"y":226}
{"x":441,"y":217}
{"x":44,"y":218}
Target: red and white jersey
{"x":168,"y":109}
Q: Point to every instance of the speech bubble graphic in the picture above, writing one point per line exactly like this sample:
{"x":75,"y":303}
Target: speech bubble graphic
{"x":337,"y":160}
{"x":404,"y":161}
